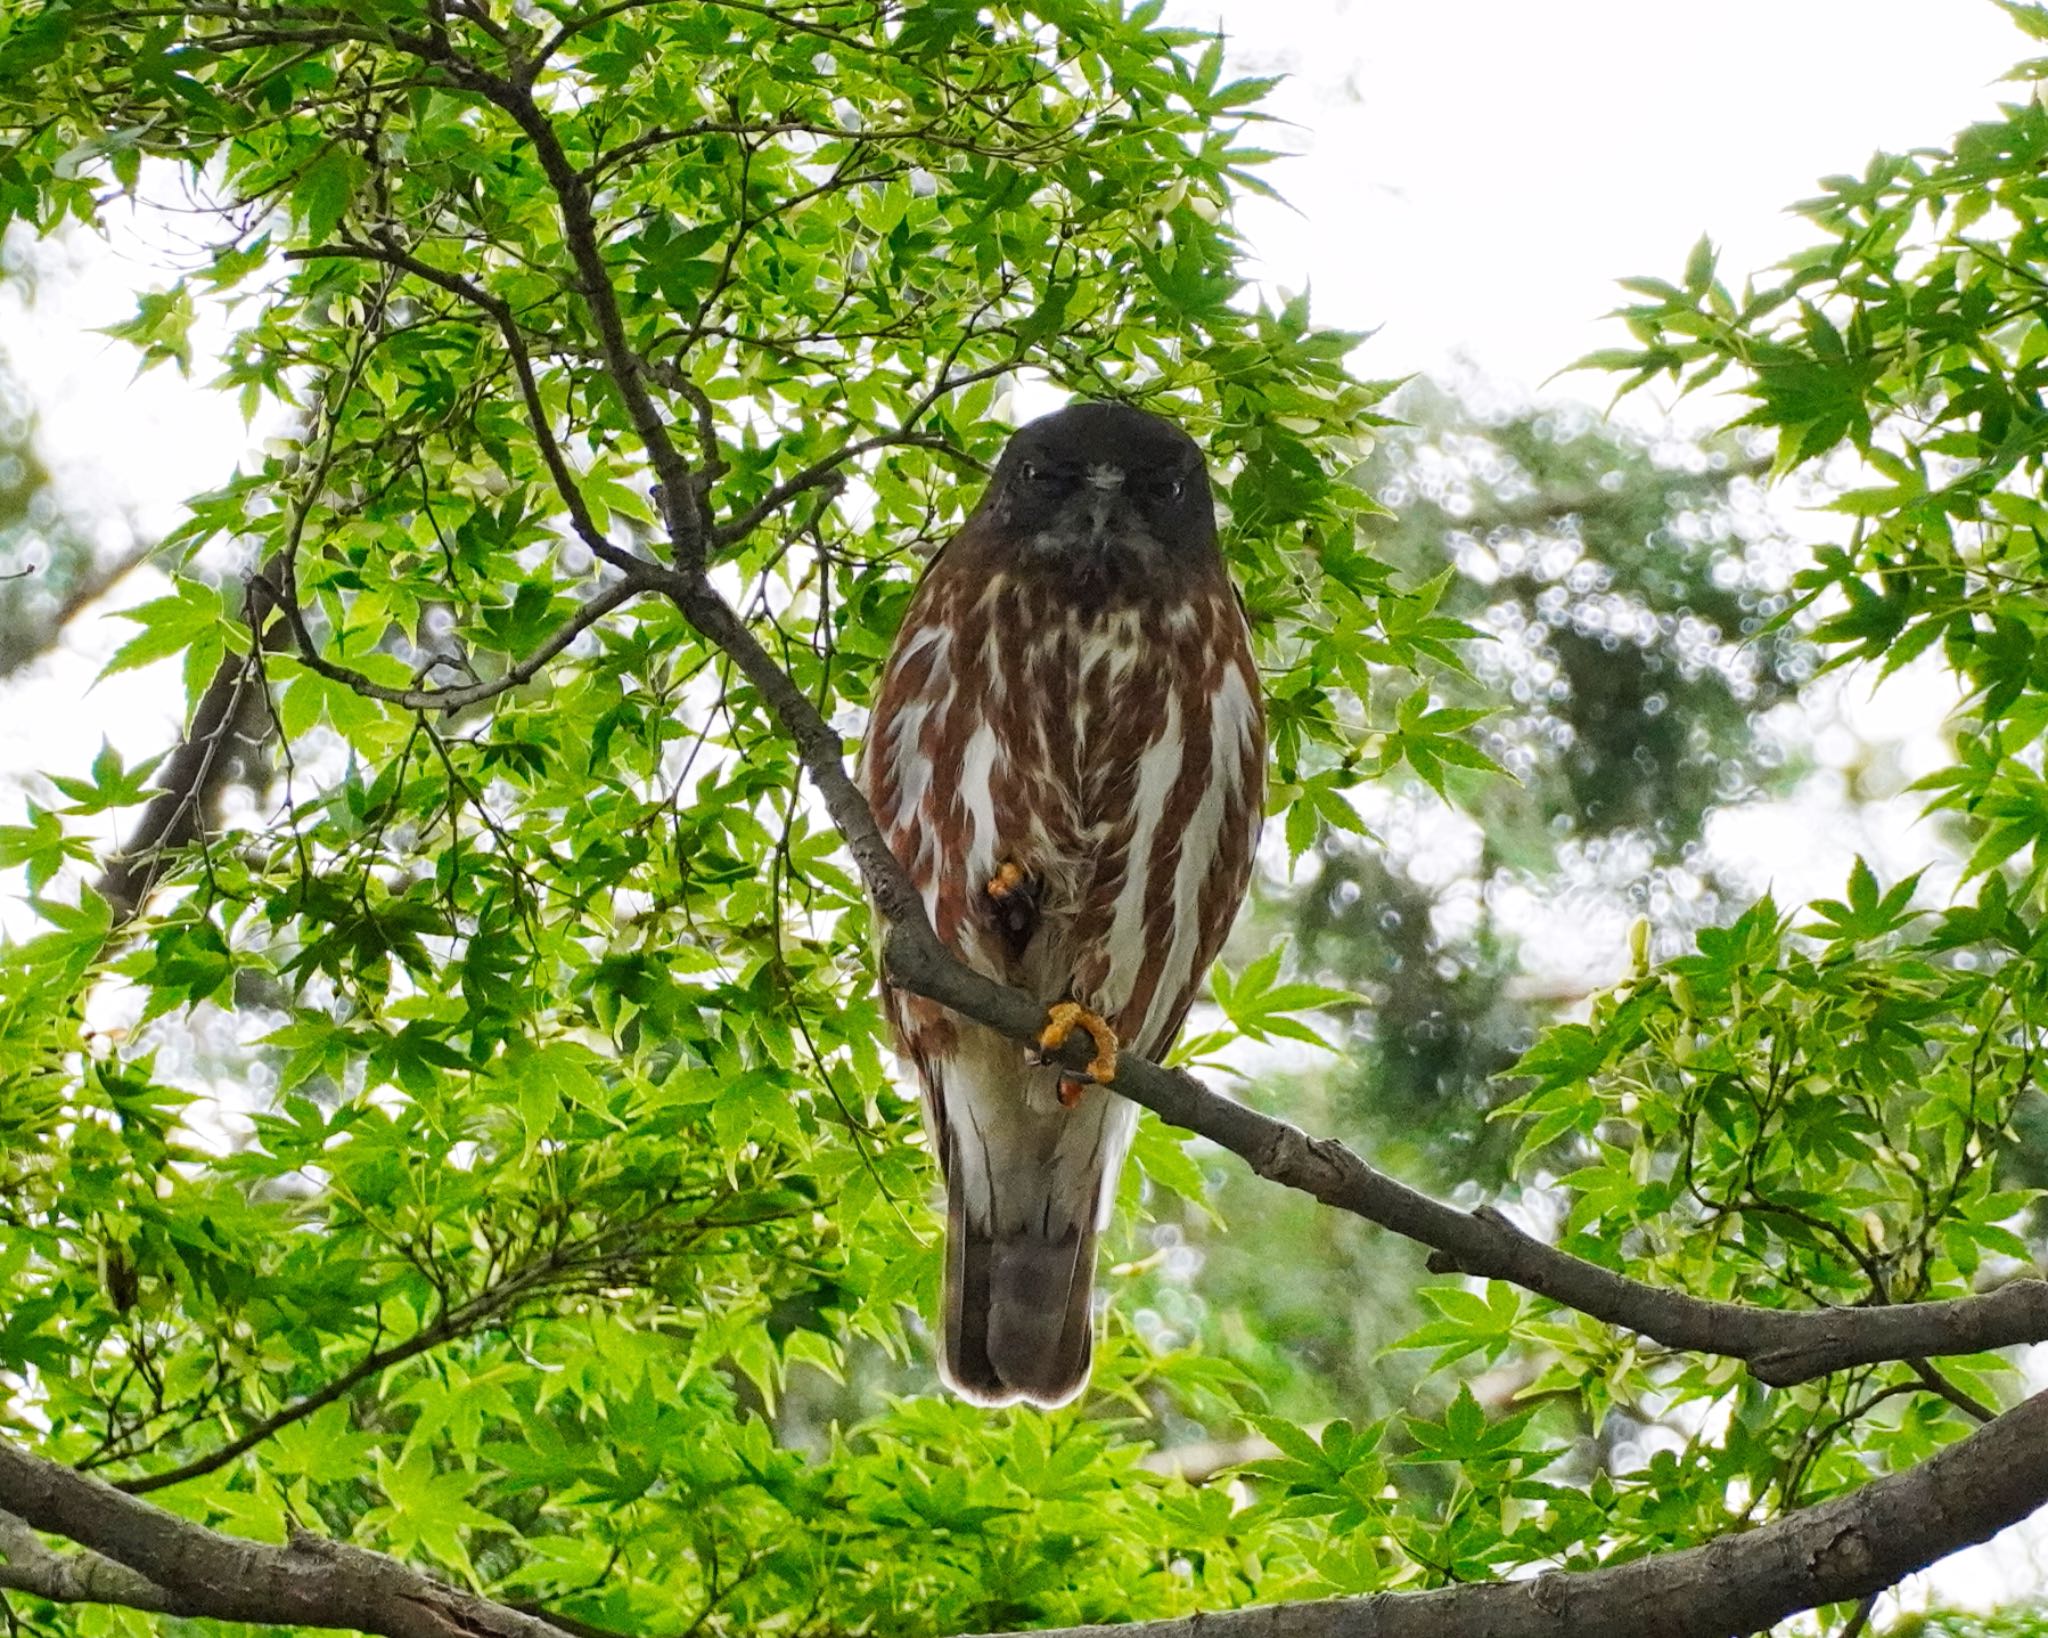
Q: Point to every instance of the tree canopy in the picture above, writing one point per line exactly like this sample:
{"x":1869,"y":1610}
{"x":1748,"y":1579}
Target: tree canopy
{"x":457,"y":1181}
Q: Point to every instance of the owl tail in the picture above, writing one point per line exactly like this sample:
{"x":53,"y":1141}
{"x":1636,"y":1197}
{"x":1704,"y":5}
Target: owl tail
{"x":1017,"y":1322}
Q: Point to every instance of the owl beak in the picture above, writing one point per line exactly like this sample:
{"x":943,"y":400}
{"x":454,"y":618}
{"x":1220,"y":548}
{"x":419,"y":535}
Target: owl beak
{"x":1105,"y":505}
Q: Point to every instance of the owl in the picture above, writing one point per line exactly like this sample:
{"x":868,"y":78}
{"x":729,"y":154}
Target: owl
{"x":1067,"y":754}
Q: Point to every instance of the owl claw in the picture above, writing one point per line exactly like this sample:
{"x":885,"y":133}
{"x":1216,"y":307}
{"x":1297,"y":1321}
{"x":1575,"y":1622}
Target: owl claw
{"x":1061,"y":1020}
{"x":1013,"y":905}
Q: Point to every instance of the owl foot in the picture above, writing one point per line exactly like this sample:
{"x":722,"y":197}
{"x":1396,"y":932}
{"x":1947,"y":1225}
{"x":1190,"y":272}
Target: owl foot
{"x":1013,"y":899}
{"x":1061,"y":1020}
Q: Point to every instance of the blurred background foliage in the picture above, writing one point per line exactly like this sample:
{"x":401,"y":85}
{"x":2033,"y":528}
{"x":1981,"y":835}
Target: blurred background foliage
{"x":60,"y":550}
{"x":1630,"y":587}
{"x":40,"y":558}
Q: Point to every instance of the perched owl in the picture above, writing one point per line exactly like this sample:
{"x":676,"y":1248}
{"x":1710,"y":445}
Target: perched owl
{"x":1068,"y":755}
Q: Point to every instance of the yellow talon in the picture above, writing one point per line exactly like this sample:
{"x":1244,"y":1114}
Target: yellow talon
{"x":1007,"y":880}
{"x":1061,"y":1020}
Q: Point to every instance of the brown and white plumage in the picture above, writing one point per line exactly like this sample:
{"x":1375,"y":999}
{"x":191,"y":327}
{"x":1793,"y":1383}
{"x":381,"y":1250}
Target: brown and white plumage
{"x":1072,"y":695}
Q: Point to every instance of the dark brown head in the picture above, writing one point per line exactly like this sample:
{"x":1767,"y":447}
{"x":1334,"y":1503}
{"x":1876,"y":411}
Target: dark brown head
{"x":1104,"y":493}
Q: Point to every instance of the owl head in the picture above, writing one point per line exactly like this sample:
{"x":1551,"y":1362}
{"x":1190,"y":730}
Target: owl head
{"x":1104,"y":488}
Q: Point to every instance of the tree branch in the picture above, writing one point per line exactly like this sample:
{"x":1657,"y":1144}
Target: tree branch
{"x":191,"y":1570}
{"x":26,"y":1565}
{"x":190,"y":775}
{"x":593,"y":609}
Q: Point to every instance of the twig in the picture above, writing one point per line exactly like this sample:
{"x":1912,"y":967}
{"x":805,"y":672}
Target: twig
{"x":593,"y":609}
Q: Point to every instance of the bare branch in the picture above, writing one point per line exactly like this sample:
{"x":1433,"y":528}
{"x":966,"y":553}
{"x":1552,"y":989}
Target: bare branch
{"x":26,"y":1565}
{"x":312,"y":1582}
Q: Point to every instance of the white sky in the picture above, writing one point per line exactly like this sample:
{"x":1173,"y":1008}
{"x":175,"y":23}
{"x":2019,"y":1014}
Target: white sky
{"x":1470,"y":176}
{"x":1475,"y":174}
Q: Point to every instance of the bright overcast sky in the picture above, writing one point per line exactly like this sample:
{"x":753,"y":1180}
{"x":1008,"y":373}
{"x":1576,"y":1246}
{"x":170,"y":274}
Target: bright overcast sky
{"x":1474,"y":174}
{"x":1470,"y":178}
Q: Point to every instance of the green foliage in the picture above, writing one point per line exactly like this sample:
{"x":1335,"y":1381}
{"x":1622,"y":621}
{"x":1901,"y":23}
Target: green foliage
{"x":569,"y":1230}
{"x":1628,"y":586}
{"x":481,"y":1148}
{"x":2014,"y":1623}
{"x":1802,"y":1118}
{"x":1911,"y":333}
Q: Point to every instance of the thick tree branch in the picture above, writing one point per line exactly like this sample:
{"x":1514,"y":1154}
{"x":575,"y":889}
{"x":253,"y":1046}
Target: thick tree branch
{"x":191,"y":1570}
{"x":191,"y":775}
{"x":84,"y":1577}
{"x":1845,"y":1549}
